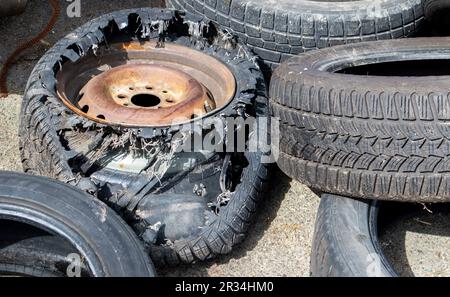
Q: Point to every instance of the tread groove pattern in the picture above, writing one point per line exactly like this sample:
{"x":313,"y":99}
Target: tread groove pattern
{"x":277,"y":35}
{"x":379,"y":137}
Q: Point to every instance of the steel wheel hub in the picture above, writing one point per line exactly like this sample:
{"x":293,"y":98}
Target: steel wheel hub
{"x":141,"y":85}
{"x":145,"y":94}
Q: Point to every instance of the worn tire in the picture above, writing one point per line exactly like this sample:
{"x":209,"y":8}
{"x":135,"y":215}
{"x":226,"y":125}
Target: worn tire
{"x":345,"y":240}
{"x":279,"y":31}
{"x":44,"y":119}
{"x":107,"y":245}
{"x":377,"y":137}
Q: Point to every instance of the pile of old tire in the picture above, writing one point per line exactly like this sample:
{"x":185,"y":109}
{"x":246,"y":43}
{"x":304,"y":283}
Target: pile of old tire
{"x":50,"y":229}
{"x":276,"y":31}
{"x":186,"y":207}
{"x":367,"y":121}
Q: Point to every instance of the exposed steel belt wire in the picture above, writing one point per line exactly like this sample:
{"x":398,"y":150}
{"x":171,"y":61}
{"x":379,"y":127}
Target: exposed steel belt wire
{"x":12,"y":58}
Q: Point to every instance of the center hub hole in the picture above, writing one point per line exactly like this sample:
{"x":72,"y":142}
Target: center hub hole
{"x":145,"y":100}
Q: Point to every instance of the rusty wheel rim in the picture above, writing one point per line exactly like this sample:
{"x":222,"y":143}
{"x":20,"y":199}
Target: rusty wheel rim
{"x":141,"y":85}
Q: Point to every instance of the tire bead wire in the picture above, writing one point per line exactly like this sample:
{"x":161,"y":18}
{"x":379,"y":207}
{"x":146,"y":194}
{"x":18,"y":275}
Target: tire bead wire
{"x":12,"y":58}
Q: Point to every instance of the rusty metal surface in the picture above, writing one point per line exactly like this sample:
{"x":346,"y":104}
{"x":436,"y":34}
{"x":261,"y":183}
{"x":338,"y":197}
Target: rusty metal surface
{"x":143,"y":94}
{"x":139,"y":84}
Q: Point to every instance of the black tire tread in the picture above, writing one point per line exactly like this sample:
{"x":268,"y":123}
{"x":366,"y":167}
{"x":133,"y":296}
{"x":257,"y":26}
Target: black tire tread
{"x":347,"y":111}
{"x":275,"y":35}
{"x":228,"y":229}
{"x":368,"y":184}
{"x":375,"y":137}
{"x":342,"y":242}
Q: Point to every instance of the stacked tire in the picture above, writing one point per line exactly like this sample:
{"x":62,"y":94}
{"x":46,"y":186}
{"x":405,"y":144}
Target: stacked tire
{"x":381,"y":136}
{"x":278,"y":31}
{"x":367,"y":121}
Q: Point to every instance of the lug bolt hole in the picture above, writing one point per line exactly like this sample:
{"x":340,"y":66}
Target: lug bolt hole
{"x":145,"y":100}
{"x":149,"y":88}
{"x":121,"y":96}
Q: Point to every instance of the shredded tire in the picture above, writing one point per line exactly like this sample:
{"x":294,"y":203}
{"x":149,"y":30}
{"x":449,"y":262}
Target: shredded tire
{"x":222,"y":231}
{"x":58,"y":143}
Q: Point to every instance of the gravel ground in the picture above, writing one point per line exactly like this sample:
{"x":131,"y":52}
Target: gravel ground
{"x":279,"y":243}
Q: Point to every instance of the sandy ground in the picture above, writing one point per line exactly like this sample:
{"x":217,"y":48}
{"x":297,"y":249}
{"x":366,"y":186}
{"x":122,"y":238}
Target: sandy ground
{"x":416,"y":240}
{"x":279,"y":243}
